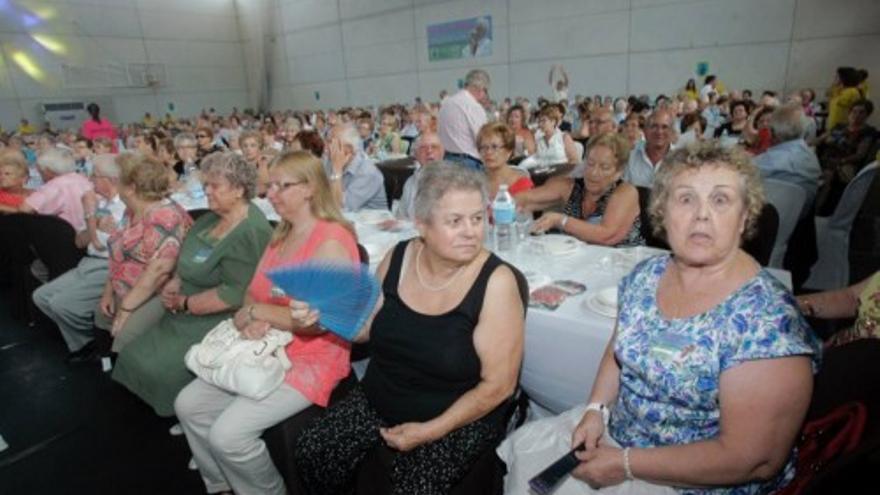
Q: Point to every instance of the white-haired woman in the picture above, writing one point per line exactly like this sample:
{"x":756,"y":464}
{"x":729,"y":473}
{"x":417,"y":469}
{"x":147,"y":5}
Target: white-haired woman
{"x":71,"y":299}
{"x":446,"y":346}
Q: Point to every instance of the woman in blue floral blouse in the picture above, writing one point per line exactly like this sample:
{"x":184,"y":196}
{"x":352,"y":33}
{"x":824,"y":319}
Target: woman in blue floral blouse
{"x":708,"y":376}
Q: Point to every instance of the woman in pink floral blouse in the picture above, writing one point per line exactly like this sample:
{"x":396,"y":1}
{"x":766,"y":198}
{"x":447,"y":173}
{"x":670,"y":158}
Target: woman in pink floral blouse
{"x":143,"y":251}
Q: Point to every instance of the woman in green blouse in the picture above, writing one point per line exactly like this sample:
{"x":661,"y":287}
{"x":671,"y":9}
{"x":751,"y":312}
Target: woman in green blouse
{"x":217,"y":260}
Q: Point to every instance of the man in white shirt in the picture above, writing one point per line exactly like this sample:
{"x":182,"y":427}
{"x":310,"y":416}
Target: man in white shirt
{"x":70,"y":300}
{"x":428,"y":150}
{"x":461,"y":117}
{"x":646,"y":157}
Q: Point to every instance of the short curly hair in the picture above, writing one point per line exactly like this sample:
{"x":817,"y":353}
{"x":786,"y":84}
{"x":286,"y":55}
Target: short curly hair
{"x":235,"y":169}
{"x":709,"y":153}
{"x":618,"y":145}
{"x":503,"y":131}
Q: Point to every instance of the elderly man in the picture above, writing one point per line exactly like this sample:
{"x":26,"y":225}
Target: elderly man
{"x":70,"y":300}
{"x":355,"y":181}
{"x":429,"y":150}
{"x":62,"y":190}
{"x":461,"y":117}
{"x":647,"y":156}
{"x":789,"y":159}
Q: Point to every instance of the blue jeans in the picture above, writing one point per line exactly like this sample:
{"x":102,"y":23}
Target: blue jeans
{"x":465,"y":160}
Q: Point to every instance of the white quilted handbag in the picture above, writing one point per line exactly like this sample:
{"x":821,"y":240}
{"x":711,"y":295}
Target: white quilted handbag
{"x":251,"y":368}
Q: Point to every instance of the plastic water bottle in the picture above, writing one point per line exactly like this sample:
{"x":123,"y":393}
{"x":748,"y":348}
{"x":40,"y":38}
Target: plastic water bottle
{"x":504,"y":214}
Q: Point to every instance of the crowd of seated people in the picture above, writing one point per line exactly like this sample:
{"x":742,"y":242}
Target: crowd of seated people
{"x":159,"y":281}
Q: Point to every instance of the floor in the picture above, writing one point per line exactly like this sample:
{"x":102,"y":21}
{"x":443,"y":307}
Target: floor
{"x":74,"y":430}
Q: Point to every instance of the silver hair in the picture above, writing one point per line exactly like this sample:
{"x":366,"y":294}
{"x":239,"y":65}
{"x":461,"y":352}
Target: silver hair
{"x":232,"y":167}
{"x":477,"y":78}
{"x":440,"y":178}
{"x":348,"y":134}
{"x":787,"y":123}
{"x":57,"y":160}
{"x":182,"y":138}
{"x":105,"y":163}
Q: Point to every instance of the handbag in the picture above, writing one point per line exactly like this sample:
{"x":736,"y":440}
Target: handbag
{"x":825,"y":439}
{"x":250,"y":368}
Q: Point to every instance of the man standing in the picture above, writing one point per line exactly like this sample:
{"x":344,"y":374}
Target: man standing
{"x":429,"y":150}
{"x":355,"y":181}
{"x":646,"y":157}
{"x":461,"y":117}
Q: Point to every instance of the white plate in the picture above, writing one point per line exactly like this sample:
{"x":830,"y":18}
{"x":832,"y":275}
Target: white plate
{"x":591,"y":303}
{"x":607,"y":297}
{"x":557,"y":244}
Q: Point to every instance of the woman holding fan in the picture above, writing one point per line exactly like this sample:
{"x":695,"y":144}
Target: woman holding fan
{"x":446,"y":346}
{"x":223,"y":429}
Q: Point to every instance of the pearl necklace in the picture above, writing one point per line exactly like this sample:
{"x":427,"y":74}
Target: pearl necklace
{"x":434,"y":288}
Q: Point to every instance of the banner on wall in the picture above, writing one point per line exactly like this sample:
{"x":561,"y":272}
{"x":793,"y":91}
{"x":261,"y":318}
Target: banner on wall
{"x":466,"y":38}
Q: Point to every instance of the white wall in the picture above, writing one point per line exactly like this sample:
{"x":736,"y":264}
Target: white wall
{"x":198,"y":40}
{"x":375,"y":51}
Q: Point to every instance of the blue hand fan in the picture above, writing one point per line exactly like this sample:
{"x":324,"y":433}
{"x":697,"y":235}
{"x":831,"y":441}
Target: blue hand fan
{"x":345,"y":295}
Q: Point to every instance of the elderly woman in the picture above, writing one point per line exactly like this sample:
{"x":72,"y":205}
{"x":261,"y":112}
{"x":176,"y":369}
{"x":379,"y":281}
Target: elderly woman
{"x":13,"y":176}
{"x":205,"y":140}
{"x":860,"y":301}
{"x":708,"y":375}
{"x":524,"y":140}
{"x":187,"y":152}
{"x":388,"y":141}
{"x":216,"y":262}
{"x":553,"y":145}
{"x":251,"y":151}
{"x":446,"y":350}
{"x":223,"y":429}
{"x":142,"y":250}
{"x":495,"y":143}
{"x":599,"y":207}
{"x":71,"y":299}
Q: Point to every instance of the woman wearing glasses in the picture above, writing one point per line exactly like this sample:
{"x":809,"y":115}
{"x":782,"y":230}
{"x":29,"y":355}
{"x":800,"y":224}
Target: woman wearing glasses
{"x":553,"y":145}
{"x":224,"y":429}
{"x":205,"y":140}
{"x":496,"y":142}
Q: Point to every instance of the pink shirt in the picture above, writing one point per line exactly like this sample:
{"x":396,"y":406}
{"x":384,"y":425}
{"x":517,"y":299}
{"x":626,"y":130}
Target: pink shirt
{"x":103,"y":129}
{"x":319,"y":361}
{"x":62,"y":197}
{"x":461,"y":117}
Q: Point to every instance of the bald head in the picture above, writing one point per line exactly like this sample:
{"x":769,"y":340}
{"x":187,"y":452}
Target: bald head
{"x":429,"y":149}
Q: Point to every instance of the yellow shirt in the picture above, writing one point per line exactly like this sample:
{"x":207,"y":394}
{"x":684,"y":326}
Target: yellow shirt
{"x":26,"y":129}
{"x":838,"y":107}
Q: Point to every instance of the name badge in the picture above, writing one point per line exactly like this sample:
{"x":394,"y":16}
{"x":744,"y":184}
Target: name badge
{"x":672,"y":347}
{"x":202,"y":255}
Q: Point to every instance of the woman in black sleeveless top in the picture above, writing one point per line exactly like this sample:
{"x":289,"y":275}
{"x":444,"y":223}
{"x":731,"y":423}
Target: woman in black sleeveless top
{"x":599,"y":208}
{"x":446,"y":347}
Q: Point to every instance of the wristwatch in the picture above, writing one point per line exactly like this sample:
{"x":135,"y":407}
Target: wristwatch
{"x":601,"y":408}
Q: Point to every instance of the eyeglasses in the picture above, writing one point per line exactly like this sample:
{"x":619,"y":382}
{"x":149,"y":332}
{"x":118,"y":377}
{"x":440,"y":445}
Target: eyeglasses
{"x":282,"y":186}
{"x":202,"y":136}
{"x":490,"y":147}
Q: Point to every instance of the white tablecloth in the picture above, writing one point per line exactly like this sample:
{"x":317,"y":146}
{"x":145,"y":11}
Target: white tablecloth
{"x":563,"y":347}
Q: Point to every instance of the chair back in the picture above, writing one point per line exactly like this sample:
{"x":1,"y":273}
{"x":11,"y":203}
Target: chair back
{"x":646,"y":229}
{"x":53,"y":240}
{"x":788,"y":199}
{"x":761,"y":245}
{"x":831,"y":270}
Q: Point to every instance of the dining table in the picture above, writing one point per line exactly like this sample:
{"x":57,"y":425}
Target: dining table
{"x":564,"y":345}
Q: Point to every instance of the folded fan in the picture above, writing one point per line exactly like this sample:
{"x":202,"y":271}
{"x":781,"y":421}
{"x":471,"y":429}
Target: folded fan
{"x":345,"y":295}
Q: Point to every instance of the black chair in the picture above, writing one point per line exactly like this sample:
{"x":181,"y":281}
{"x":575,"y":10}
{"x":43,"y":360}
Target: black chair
{"x":646,"y":229}
{"x":760,"y":246}
{"x":53,"y":240}
{"x":486,"y":476}
{"x":849,"y":373}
